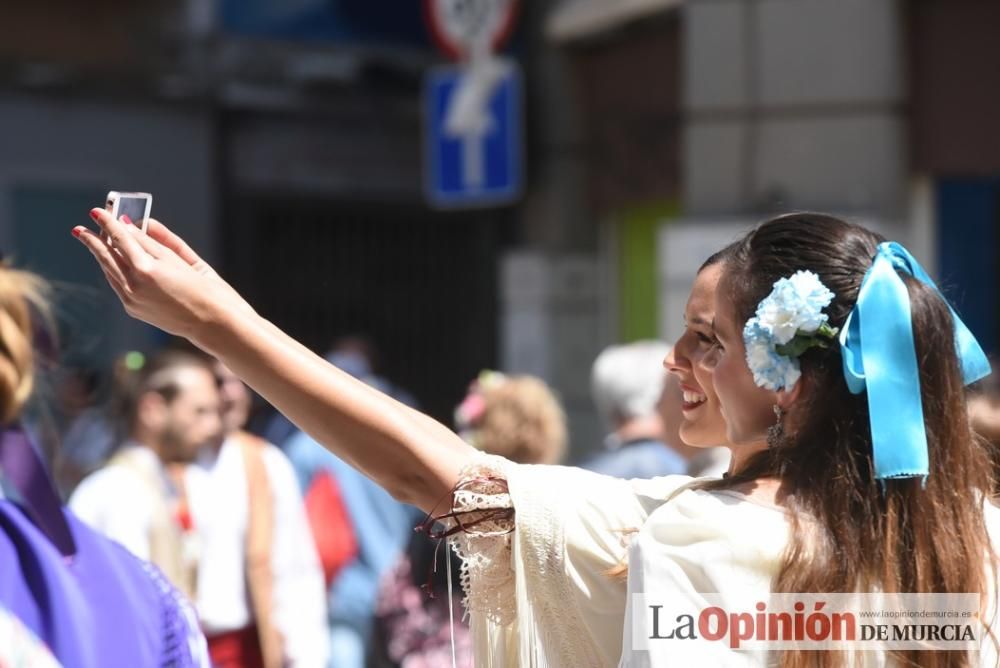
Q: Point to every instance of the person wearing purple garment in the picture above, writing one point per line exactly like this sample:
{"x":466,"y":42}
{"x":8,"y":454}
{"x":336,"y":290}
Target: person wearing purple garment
{"x":68,"y":596}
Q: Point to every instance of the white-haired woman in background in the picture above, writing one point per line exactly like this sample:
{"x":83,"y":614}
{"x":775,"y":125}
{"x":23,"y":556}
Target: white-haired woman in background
{"x":640,"y":405}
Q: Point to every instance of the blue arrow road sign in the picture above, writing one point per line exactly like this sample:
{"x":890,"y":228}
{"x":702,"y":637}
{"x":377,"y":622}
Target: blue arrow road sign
{"x":480,"y":165}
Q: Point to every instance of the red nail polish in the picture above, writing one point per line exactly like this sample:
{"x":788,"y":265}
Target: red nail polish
{"x":76,"y":232}
{"x":93,"y":214}
{"x":128,"y":221}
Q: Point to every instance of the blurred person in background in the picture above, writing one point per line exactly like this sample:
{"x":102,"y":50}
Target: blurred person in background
{"x":518,"y":417}
{"x":641,"y":405}
{"x":260,"y":588}
{"x":171,"y":410}
{"x":68,"y":595}
{"x":88,"y":433}
{"x":377,"y":527}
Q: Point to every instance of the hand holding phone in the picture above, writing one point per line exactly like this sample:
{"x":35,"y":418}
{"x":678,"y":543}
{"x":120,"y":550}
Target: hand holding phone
{"x":134,"y":205}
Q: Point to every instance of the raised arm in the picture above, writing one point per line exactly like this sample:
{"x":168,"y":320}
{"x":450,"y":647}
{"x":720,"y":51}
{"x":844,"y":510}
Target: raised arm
{"x":160,"y":280}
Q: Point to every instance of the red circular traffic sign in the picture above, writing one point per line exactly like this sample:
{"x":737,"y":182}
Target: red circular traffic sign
{"x":457,"y":25}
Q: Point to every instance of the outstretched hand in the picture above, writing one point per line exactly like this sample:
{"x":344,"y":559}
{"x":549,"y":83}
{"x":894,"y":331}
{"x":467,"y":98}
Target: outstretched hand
{"x":159,"y":279}
{"x":157,"y":276}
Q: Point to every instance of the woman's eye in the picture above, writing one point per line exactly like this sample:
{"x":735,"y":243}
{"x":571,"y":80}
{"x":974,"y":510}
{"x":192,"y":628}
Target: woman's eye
{"x":712,"y":355}
{"x":710,"y":341}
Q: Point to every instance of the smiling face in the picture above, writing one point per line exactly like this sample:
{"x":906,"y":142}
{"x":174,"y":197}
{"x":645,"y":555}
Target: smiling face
{"x":748,"y":410}
{"x":702,"y":424}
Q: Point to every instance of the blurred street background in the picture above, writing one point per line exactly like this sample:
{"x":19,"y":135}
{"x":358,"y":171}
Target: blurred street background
{"x":292,"y":143}
{"x":492,"y":210}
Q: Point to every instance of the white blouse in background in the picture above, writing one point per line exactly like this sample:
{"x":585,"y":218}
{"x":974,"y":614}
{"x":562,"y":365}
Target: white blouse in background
{"x":218,"y":495}
{"x":543,"y":594}
{"x":117,"y":502}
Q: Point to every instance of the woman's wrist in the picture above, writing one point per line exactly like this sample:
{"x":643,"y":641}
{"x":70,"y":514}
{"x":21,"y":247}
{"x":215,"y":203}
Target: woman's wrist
{"x":218,"y":323}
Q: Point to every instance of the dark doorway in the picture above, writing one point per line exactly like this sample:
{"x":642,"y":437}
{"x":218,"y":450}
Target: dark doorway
{"x":420,"y":284}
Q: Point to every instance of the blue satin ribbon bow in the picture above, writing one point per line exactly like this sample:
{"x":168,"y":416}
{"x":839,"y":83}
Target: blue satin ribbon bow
{"x":879,"y":356}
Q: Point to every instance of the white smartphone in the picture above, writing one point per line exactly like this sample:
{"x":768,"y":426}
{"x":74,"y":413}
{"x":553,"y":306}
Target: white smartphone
{"x":134,"y":205}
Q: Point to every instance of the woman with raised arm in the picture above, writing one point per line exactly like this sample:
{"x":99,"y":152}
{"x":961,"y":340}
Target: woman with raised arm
{"x":819,"y":498}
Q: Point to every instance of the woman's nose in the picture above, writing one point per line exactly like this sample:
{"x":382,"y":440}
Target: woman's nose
{"x":676,"y":360}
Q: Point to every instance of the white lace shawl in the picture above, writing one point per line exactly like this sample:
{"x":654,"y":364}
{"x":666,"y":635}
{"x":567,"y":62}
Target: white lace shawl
{"x":536,"y":581}
{"x":525,"y":608}
{"x":516,"y":593}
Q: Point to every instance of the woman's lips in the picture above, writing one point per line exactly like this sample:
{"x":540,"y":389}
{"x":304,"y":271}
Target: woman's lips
{"x":692,"y":398}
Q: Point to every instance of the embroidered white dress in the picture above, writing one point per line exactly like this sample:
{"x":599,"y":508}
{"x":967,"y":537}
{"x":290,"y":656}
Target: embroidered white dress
{"x":541,"y":594}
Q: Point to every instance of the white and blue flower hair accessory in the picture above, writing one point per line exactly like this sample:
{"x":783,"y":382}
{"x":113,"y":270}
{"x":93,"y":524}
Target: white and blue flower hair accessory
{"x":788,"y":322}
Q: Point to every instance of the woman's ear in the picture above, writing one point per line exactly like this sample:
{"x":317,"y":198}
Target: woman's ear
{"x":786,"y":397}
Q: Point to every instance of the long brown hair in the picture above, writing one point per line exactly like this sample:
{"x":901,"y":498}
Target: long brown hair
{"x":869,"y":535}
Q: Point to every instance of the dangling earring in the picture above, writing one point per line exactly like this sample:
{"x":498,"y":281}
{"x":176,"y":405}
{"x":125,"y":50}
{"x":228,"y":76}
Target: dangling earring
{"x":776,"y":432}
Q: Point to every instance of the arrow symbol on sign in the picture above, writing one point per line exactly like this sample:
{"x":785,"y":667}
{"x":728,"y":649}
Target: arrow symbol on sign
{"x":468,"y":117}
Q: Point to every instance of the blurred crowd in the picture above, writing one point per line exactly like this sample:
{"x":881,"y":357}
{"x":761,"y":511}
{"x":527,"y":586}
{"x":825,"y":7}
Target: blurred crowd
{"x":290,"y":555}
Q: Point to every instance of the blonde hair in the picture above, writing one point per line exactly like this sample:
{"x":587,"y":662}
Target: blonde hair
{"x":522,"y":421}
{"x":24,"y":304}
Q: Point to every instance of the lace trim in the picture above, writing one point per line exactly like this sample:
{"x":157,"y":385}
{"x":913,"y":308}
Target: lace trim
{"x":481,"y":521}
{"x":517,"y":580}
{"x":555,"y":621}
